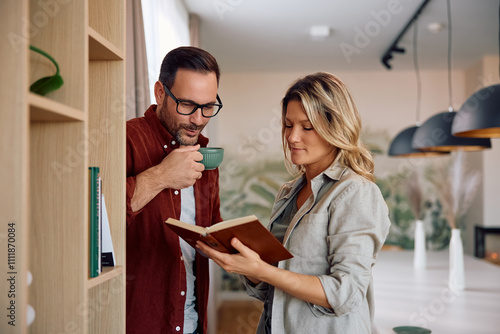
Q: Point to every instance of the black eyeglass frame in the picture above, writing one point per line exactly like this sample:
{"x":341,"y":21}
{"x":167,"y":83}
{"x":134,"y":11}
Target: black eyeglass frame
{"x":197,"y":106}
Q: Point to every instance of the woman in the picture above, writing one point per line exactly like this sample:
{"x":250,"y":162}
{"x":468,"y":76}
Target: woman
{"x":332,"y":218}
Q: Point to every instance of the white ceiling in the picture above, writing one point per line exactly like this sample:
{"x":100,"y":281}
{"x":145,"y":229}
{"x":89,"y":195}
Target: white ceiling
{"x":273,"y":35}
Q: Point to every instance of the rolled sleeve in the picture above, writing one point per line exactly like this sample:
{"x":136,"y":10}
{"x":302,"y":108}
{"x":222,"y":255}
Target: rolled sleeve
{"x":131,"y":182}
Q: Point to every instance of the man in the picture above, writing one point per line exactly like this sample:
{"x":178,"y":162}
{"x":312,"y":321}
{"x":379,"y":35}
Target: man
{"x":167,"y":280}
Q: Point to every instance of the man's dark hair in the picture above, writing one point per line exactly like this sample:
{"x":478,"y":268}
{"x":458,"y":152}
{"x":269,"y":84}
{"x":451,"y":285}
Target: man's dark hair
{"x":189,"y":58}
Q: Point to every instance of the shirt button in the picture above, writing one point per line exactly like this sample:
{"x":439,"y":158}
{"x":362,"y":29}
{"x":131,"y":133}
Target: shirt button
{"x":182,"y":258}
{"x":178,"y":328}
{"x":183,"y":293}
{"x":173,"y":142}
{"x":176,"y":192}
{"x":165,"y":146}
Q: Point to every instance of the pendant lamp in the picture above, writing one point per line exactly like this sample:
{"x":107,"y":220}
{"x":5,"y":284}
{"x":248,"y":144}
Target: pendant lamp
{"x":401,"y":145}
{"x":435,"y":133}
{"x":479,"y":116}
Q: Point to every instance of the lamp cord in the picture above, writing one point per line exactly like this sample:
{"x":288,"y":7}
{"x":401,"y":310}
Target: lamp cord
{"x":449,"y":56}
{"x":417,"y":73}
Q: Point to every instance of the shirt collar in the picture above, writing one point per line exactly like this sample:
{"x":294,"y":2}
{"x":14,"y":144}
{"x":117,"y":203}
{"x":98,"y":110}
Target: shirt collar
{"x":334,"y":172}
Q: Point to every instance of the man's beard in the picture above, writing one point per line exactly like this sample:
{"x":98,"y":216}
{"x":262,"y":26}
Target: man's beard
{"x":191,"y":140}
{"x":175,"y":129}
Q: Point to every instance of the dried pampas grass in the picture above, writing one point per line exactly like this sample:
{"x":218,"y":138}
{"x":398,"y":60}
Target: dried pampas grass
{"x":414,"y":192}
{"x":456,"y":187}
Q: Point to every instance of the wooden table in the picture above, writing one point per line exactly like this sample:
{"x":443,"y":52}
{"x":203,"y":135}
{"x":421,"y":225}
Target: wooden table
{"x":405,"y":296}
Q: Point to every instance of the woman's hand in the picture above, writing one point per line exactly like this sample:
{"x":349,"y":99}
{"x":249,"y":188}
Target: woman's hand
{"x":249,"y":263}
{"x":246,"y":262}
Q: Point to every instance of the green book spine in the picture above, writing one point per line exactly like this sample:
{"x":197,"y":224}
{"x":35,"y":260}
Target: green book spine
{"x":94,"y":221}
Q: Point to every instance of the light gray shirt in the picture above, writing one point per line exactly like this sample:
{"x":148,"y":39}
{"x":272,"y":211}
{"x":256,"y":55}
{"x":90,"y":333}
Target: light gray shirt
{"x":336,"y":235}
{"x":188,"y":215}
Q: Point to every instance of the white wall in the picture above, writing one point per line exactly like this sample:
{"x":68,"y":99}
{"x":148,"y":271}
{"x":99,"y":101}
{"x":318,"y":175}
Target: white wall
{"x":491,"y":158}
{"x":385,"y":99}
{"x":486,"y":207}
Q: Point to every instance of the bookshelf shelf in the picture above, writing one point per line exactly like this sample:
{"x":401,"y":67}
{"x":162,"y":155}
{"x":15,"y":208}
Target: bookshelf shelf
{"x":55,"y":138}
{"x":107,"y":274}
{"x":101,"y":49}
{"x":43,"y":109}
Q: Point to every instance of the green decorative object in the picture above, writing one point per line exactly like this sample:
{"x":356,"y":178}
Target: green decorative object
{"x":411,"y":330}
{"x":48,"y":84}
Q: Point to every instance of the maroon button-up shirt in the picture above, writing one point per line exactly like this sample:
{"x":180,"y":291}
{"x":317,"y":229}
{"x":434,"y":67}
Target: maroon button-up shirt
{"x":156,"y":276}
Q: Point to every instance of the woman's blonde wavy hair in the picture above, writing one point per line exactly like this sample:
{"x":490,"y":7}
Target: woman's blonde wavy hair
{"x":332,"y":112}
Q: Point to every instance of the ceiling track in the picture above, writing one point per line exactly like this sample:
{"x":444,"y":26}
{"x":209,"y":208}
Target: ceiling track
{"x":394,"y":46}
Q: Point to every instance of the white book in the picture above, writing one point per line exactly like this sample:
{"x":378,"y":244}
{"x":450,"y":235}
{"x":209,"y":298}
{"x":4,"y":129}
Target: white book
{"x":108,"y":253}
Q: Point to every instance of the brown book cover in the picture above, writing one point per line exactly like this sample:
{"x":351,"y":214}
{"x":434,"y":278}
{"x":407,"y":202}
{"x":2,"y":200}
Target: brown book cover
{"x":248,"y":230}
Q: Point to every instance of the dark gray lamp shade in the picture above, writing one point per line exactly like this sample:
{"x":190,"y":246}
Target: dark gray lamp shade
{"x":435,"y":135}
{"x":479,"y":116}
{"x":401,"y":145}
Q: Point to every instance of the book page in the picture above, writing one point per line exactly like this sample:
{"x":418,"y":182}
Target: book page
{"x":198,"y":229}
{"x":232,"y":222}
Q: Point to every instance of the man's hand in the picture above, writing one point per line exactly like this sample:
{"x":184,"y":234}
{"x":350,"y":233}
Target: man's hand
{"x":178,"y":170}
{"x":181,"y":168}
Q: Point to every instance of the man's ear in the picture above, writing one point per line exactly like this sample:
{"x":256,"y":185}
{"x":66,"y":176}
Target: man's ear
{"x":159,"y":93}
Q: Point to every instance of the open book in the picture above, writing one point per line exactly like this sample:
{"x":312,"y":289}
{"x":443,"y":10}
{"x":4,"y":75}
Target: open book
{"x":247,"y":229}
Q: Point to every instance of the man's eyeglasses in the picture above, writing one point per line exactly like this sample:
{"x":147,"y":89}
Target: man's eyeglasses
{"x":185,"y":107}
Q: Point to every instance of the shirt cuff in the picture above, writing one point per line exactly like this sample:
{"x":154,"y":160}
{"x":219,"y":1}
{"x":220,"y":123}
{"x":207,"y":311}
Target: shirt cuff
{"x":131,"y":183}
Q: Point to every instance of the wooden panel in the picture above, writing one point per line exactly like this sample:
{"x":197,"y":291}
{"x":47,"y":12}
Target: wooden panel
{"x":58,"y":228}
{"x":111,"y":27}
{"x":107,"y":150}
{"x":14,"y":159}
{"x":45,"y":144}
{"x":107,"y":142}
{"x":101,"y":49}
{"x":106,"y":307}
{"x":59,"y":28}
{"x":106,"y":139}
{"x":44,"y":109}
{"x":106,"y":274}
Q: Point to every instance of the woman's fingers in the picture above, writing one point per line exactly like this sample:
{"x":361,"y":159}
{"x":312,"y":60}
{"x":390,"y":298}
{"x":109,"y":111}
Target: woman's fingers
{"x":244,"y":250}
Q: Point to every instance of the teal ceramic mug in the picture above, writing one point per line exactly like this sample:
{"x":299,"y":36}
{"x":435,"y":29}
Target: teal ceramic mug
{"x":212,"y":157}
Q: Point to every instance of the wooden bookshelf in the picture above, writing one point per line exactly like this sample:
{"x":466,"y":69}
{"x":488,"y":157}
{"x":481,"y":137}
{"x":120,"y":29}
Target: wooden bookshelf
{"x":44,"y":109}
{"x":47,"y":145}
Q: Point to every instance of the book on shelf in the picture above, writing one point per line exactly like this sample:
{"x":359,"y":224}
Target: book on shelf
{"x":249,"y":230}
{"x":99,"y":224}
{"x":107,"y":252}
{"x":94,"y":221}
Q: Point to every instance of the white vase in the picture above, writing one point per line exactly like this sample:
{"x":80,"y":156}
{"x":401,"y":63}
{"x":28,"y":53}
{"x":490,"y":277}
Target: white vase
{"x":456,"y":278}
{"x":419,"y":255}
